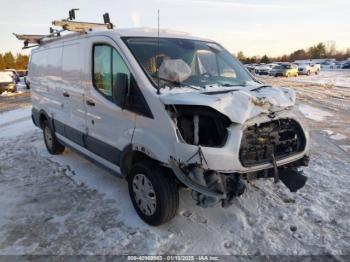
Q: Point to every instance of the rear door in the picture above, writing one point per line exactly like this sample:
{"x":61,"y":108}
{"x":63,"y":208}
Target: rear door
{"x":109,"y":127}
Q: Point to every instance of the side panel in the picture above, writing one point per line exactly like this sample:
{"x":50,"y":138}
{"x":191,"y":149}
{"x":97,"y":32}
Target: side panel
{"x":72,"y":91}
{"x":45,"y":77}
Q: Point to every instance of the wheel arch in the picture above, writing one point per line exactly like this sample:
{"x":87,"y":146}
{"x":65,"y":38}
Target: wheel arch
{"x":130,"y":155}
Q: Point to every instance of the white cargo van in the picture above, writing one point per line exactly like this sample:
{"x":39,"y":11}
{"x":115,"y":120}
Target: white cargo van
{"x":165,"y":112}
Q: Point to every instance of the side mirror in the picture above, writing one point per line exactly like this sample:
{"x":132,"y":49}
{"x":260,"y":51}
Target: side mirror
{"x":120,"y":90}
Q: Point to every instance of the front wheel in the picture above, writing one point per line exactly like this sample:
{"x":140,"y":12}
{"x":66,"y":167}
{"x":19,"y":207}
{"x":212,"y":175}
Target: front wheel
{"x":153,"y":192}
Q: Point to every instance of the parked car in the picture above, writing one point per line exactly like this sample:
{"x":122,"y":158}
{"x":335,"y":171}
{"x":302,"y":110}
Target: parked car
{"x":14,"y":74}
{"x":346,"y":65}
{"x":251,"y":67}
{"x":188,"y":116}
{"x":7,"y":82}
{"x":262,"y":69}
{"x":285,"y":69}
{"x":339,"y":64}
{"x":308,"y":68}
{"x":26,"y":81}
{"x":327,"y":65}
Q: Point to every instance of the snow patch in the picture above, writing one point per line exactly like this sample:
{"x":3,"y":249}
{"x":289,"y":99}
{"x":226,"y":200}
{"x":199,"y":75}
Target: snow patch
{"x":345,"y":148}
{"x":313,"y":113}
{"x":328,"y":78}
{"x":328,"y":132}
{"x":338,"y":136}
{"x":6,"y":93}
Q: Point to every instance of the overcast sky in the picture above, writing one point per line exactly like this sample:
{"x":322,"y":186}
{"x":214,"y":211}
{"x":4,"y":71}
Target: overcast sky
{"x":256,"y":27}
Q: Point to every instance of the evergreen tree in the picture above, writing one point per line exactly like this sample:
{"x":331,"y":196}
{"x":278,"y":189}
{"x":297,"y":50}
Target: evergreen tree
{"x":21,"y":61}
{"x":265,"y":59}
{"x":2,"y":62}
{"x":240,"y":56}
{"x":9,"y":60}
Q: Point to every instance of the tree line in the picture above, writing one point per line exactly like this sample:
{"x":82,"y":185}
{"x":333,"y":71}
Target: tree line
{"x":9,"y":61}
{"x":320,"y":50}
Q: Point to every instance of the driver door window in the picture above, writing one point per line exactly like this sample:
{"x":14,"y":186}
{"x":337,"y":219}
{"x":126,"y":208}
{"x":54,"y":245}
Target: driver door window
{"x":107,"y":63}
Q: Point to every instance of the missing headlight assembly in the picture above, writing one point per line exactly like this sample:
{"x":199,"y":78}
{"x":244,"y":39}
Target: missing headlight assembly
{"x":199,"y":125}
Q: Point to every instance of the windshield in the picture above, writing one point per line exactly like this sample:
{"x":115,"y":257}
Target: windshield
{"x":183,"y":62}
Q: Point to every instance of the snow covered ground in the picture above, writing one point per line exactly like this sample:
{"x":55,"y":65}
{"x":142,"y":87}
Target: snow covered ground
{"x":67,"y":205}
{"x":339,"y":78}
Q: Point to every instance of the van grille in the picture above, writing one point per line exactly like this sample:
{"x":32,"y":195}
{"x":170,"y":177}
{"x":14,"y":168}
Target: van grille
{"x":281,"y":138}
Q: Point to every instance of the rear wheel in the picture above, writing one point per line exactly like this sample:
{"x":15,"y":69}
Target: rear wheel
{"x":153,"y":193}
{"x":52,"y":144}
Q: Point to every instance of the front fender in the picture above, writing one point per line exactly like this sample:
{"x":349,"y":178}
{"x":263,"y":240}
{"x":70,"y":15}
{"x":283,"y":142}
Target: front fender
{"x":155,"y":145}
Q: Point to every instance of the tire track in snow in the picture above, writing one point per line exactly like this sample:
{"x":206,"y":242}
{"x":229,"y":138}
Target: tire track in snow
{"x":15,"y":121}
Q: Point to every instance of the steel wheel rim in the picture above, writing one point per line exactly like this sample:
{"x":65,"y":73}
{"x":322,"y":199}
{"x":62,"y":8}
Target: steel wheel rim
{"x":144,"y":194}
{"x":48,"y":137}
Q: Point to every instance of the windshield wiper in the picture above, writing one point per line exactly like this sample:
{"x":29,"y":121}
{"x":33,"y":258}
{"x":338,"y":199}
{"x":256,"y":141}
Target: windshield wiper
{"x":179,"y":84}
{"x":170,"y":81}
{"x":230,"y":85}
{"x":260,"y":87}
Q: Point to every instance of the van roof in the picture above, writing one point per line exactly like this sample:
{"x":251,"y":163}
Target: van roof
{"x":153,"y":32}
{"x":126,"y":32}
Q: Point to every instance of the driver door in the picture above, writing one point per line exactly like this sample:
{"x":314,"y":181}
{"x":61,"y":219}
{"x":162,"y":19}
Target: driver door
{"x":109,"y":127}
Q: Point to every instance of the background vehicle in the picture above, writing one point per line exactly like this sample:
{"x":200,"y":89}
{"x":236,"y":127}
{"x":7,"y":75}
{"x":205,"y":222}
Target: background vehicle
{"x":25,"y":79}
{"x":251,"y":67}
{"x":308,"y":68}
{"x":7,"y":82}
{"x":327,"y":65}
{"x":346,"y":65}
{"x":14,"y":74}
{"x":285,"y":69}
{"x":264,"y":69}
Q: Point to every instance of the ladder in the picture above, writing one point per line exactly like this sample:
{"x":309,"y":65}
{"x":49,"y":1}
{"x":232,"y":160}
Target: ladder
{"x":80,"y":27}
{"x":66,"y":25}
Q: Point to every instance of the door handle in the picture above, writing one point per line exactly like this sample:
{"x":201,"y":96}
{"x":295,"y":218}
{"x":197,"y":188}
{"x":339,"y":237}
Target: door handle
{"x":65,"y":94}
{"x":90,"y":102}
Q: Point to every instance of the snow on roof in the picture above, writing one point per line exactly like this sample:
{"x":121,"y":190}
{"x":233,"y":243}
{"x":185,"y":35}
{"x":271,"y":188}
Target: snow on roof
{"x":153,"y":32}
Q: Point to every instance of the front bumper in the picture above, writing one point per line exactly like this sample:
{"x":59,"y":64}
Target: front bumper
{"x":226,"y":159}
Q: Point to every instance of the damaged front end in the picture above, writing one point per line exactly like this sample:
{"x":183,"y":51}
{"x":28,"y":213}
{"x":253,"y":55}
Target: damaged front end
{"x":228,"y":139}
{"x":209,"y":187}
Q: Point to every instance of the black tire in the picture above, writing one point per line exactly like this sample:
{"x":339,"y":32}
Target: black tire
{"x":52,"y":144}
{"x":164,"y":187}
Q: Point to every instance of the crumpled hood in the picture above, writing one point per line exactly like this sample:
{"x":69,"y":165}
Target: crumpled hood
{"x":239,"y":105}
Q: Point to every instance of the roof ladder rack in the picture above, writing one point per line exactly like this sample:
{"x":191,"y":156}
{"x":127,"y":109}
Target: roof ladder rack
{"x":66,"y":25}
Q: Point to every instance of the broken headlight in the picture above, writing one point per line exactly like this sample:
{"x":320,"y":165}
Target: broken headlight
{"x":200,"y":125}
